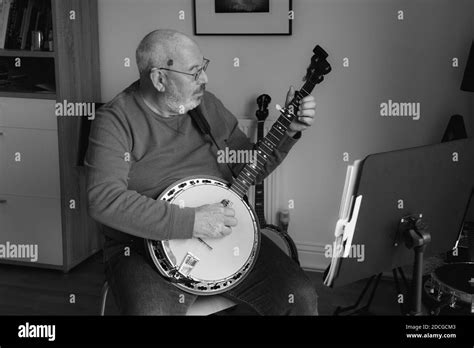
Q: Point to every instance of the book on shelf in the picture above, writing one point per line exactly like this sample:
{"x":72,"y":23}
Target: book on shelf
{"x":14,"y":24}
{"x":347,"y":219}
{"x":19,"y":18}
{"x":26,"y":24}
{"x":5,"y":15}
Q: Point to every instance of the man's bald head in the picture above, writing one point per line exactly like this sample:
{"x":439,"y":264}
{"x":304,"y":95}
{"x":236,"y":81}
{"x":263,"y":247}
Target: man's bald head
{"x":161,"y":48}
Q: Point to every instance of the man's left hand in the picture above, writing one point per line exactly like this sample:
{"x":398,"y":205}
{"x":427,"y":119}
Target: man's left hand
{"x":305,"y":115}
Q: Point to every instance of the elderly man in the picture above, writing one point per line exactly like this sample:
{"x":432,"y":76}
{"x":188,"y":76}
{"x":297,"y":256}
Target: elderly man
{"x":144,"y":140}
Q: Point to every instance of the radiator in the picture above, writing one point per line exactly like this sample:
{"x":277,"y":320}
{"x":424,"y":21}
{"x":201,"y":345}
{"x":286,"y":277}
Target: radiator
{"x":272,"y":189}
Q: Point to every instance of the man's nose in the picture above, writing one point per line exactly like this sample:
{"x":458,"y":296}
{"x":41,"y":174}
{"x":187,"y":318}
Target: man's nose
{"x":203,"y":77}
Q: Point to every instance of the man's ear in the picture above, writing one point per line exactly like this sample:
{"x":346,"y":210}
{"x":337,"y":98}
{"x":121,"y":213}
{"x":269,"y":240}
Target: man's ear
{"x":158,"y":80}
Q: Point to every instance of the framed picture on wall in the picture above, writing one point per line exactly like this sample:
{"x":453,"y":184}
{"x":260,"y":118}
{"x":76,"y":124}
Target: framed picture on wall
{"x":243,"y":17}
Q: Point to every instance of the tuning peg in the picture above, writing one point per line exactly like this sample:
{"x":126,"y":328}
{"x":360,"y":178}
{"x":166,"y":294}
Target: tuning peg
{"x":318,"y":50}
{"x":267,"y":99}
{"x":263,"y":99}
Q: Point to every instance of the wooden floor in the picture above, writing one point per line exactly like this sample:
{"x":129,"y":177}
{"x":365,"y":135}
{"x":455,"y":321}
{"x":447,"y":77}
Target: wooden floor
{"x":33,"y":291}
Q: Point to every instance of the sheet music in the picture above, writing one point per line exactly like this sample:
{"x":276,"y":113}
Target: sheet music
{"x":345,"y":225}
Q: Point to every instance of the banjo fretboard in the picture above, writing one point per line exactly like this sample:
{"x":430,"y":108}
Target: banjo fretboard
{"x":274,"y":136}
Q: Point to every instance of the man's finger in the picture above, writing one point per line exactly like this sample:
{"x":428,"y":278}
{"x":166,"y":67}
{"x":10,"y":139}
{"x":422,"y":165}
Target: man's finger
{"x":230,"y":221}
{"x":299,"y":127}
{"x":306,"y":113}
{"x":308,"y":105}
{"x":226,"y":231}
{"x":290,"y":95}
{"x":229,"y":212}
{"x":308,"y":98}
{"x":308,"y":121}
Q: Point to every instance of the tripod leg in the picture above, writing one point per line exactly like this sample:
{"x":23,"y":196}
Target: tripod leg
{"x":399,"y":291}
{"x":405,"y":281}
{"x":373,"y":291}
{"x":417,"y":281}
{"x":362,"y":294}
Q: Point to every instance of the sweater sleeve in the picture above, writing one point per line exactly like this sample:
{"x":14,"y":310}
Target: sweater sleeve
{"x":239,"y":141}
{"x":110,"y":202}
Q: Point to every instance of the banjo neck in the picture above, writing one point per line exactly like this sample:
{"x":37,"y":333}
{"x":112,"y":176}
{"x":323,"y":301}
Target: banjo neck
{"x":260,"y":186}
{"x":262,"y":114}
{"x":265,"y":148}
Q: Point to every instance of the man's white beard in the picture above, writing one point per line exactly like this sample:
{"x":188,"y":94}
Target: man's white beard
{"x":177,"y":106}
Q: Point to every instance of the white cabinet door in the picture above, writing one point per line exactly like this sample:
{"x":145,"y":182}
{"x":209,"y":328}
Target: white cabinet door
{"x":29,"y":164}
{"x":27,"y":223}
{"x":28,"y":113}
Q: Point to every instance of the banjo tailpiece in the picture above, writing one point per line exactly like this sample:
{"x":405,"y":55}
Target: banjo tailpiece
{"x":176,"y":277}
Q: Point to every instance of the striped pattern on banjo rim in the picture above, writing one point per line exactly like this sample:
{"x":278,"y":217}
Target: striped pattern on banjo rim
{"x":213,"y":266}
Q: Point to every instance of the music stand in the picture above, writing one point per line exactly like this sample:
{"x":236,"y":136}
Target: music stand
{"x":429,"y":183}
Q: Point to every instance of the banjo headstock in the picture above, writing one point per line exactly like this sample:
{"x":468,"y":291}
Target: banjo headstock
{"x":262,"y":102}
{"x":318,"y":67}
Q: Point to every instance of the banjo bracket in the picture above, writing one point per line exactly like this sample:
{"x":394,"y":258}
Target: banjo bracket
{"x":175,"y":276}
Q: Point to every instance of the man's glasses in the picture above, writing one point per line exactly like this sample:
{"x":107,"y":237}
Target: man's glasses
{"x":196,"y":75}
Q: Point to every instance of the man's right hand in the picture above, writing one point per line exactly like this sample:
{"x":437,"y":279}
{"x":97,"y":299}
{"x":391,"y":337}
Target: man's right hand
{"x":213,"y":221}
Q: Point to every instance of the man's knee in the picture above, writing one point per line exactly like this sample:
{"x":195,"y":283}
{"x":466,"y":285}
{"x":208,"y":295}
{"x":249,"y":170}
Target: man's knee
{"x":154,"y":304}
{"x":138,"y":289}
{"x":150,"y":309}
{"x":305,"y":300}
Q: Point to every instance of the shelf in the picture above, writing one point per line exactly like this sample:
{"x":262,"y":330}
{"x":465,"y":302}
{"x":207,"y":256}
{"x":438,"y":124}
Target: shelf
{"x":32,"y":95}
{"x":26,"y":53}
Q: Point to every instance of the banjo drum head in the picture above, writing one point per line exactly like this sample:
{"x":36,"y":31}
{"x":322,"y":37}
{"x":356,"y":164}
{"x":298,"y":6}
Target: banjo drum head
{"x":221,"y":258}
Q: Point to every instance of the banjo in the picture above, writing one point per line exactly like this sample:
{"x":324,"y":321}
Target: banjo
{"x":212,"y":266}
{"x":278,"y":236}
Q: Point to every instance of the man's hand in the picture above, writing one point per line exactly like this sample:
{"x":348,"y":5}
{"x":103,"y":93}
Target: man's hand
{"x":305,"y":114}
{"x":213,"y":221}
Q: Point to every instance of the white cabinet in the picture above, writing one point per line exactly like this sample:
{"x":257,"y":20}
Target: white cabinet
{"x":30,"y":203}
{"x":35,"y":222}
{"x":38,"y":190}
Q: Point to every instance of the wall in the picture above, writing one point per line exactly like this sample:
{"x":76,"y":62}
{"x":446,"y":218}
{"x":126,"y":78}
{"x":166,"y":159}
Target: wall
{"x":472,"y":95}
{"x":406,"y":61}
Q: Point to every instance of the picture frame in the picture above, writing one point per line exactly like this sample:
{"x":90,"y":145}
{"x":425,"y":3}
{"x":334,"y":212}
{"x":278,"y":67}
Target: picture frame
{"x":271,"y":19}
